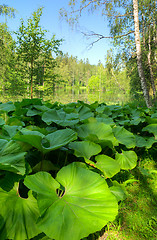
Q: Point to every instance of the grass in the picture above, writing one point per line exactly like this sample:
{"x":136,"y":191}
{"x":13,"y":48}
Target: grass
{"x":137,"y":218}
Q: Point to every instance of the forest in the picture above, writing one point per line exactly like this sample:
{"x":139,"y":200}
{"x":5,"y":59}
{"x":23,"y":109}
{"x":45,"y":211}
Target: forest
{"x":73,"y":167}
{"x":33,"y":66}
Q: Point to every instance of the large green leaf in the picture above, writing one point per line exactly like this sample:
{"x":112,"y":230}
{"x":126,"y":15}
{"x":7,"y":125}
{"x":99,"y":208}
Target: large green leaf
{"x":12,"y":158}
{"x":60,"y":117}
{"x":33,"y":112}
{"x":42,"y":108}
{"x":54,"y":140}
{"x":151,"y":128}
{"x":118,"y":190}
{"x":3,"y":142}
{"x":11,"y":130}
{"x":18,"y":216}
{"x":107,"y":165}
{"x":96,"y":131}
{"x":144,"y":141}
{"x":45,"y":165}
{"x":85,"y":149}
{"x":105,"y":119}
{"x":84,"y":205}
{"x":31,"y":137}
{"x":59,"y":138}
{"x":127,"y":159}
{"x":2,"y":122}
{"x":7,"y":107}
{"x":8,"y":180}
{"x":124,"y":136}
{"x":84,"y":113}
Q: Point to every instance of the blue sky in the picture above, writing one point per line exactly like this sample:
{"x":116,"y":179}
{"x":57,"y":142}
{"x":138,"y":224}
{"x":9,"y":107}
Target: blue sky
{"x":74,"y":42}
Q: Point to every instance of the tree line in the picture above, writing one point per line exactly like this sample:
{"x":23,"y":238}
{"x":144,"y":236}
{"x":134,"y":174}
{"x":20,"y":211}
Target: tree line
{"x":133,"y":25}
{"x":33,"y":64}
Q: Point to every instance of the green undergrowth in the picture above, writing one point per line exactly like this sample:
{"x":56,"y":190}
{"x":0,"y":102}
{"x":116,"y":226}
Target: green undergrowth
{"x":137,"y":218}
{"x":77,"y":171}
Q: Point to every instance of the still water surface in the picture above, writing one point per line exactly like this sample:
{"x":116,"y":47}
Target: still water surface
{"x":73,"y":95}
{"x":69,"y":95}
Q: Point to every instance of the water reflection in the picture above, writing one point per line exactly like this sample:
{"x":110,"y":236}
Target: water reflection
{"x":65,"y":95}
{"x":73,"y":95}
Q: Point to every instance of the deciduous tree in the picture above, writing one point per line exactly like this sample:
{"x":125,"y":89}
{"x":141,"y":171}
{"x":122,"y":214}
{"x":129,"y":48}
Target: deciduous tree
{"x":33,"y":48}
{"x":122,"y":16}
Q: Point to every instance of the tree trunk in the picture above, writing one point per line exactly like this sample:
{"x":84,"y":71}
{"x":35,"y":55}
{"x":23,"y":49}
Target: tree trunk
{"x":143,"y":33}
{"x":139,"y":55}
{"x":31,"y":79}
{"x":150,"y":65}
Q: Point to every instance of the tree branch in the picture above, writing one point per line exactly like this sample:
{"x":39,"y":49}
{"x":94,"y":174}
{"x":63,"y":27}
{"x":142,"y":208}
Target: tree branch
{"x":100,"y":36}
{"x":119,"y":16}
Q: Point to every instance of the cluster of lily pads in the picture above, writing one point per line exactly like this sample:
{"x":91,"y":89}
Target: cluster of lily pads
{"x":58,"y":163}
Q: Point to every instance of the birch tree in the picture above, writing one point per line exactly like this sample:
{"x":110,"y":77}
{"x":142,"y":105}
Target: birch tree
{"x":121,"y":18}
{"x":139,"y":54}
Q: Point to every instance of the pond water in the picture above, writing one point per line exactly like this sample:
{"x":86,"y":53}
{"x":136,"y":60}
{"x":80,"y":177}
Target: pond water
{"x":73,"y":95}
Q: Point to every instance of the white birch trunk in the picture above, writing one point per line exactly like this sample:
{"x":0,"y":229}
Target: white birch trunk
{"x":150,"y":65}
{"x":139,"y":54}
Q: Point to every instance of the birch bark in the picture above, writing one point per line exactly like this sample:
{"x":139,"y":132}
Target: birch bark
{"x":150,"y":64}
{"x":139,"y":54}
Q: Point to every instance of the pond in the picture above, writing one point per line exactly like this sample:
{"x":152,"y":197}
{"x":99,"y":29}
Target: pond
{"x":73,"y":95}
{"x":66,"y":95}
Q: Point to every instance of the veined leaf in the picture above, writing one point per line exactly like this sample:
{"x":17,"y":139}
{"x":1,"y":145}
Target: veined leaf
{"x":127,"y":159}
{"x":44,"y":165}
{"x":2,"y":122}
{"x":55,"y":140}
{"x":60,"y":117}
{"x":18,"y":216}
{"x":107,"y":165}
{"x":124,"y":136}
{"x":11,"y":130}
{"x":7,"y":107}
{"x":84,"y":113}
{"x":31,"y":137}
{"x":12,"y":158}
{"x":33,"y":112}
{"x":83,"y":207}
{"x":151,"y":128}
{"x":8,"y":180}
{"x":59,"y":138}
{"x":118,"y":190}
{"x":96,"y":131}
{"x":13,"y":121}
{"x":144,"y":141}
{"x":3,"y":142}
{"x":85,"y":149}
